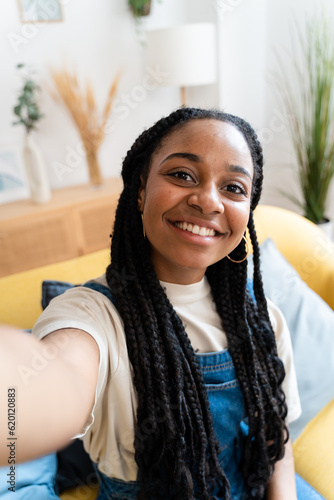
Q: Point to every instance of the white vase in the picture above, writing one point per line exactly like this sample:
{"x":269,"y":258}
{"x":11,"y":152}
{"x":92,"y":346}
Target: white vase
{"x":36,"y":172}
{"x":327,"y":228}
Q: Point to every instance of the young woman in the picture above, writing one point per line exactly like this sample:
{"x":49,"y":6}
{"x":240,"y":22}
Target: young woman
{"x":171,"y":366}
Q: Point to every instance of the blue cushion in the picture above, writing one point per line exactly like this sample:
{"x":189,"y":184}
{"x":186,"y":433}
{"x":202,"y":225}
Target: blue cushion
{"x":305,"y":491}
{"x":52,"y":288}
{"x":311,"y":324}
{"x":33,"y":480}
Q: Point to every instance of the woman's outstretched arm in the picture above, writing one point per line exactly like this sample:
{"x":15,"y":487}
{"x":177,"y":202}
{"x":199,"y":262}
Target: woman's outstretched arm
{"x":47,"y":390}
{"x":282,"y":484}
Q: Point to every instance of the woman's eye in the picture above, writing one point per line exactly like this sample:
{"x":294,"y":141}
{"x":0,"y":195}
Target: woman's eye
{"x":235,"y":188}
{"x":183,"y":176}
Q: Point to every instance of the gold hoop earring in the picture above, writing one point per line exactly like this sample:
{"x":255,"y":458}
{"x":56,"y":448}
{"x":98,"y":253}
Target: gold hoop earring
{"x":239,"y":261}
{"x":142,"y":221}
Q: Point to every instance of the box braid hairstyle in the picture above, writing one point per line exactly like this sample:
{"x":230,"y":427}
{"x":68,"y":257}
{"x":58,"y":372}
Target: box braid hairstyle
{"x":176,"y":449}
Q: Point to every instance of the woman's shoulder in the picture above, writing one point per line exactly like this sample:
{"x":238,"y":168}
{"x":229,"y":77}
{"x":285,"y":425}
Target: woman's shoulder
{"x":94,"y":291}
{"x":89,"y":307}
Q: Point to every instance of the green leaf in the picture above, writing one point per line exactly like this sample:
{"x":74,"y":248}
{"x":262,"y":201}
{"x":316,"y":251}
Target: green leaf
{"x":29,"y":86}
{"x":17,"y":110}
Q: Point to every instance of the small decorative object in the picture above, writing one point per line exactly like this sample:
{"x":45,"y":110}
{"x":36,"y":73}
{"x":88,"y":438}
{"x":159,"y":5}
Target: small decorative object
{"x":32,"y":11}
{"x":28,"y":114}
{"x":82,"y":107}
{"x":140,"y":8}
{"x":308,"y":95}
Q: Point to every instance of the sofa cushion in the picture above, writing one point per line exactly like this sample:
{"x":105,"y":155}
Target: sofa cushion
{"x":53,"y":288}
{"x":33,"y":480}
{"x":311,"y":324}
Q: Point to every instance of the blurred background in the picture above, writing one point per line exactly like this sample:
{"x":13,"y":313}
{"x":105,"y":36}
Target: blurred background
{"x":102,"y":39}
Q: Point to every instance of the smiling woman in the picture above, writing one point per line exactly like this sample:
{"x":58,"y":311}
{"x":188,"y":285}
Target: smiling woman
{"x":196,"y":200}
{"x":185,"y":383}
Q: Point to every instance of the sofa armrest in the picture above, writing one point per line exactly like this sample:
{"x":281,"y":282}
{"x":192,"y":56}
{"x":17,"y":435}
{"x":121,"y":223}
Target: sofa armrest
{"x":314,"y":452}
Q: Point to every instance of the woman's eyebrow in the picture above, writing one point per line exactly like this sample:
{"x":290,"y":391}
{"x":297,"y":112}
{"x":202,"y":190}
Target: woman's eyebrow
{"x":197,"y":159}
{"x":188,"y":156}
{"x":238,"y":169}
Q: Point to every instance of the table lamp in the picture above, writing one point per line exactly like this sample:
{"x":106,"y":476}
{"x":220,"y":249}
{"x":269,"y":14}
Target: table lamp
{"x":185,"y":53}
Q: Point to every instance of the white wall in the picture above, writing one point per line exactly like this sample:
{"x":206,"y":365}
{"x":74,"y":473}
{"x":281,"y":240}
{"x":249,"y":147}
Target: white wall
{"x":243,"y":35}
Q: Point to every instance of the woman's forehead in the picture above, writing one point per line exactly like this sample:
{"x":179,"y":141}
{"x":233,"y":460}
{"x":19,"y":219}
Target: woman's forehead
{"x":201,"y":130}
{"x":203,"y":135}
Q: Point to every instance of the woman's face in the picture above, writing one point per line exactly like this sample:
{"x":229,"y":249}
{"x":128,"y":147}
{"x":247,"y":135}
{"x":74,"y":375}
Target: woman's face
{"x":196,"y":200}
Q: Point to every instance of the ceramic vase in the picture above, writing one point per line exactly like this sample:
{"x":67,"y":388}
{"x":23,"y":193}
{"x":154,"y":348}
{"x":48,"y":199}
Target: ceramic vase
{"x":36,"y":172}
{"x":327,"y":228}
{"x":94,"y":168}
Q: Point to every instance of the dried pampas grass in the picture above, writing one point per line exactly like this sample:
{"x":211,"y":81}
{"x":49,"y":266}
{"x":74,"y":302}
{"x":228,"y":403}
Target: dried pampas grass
{"x":81,"y":104}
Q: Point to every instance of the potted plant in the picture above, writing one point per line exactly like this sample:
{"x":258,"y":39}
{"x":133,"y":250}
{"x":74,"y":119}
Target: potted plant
{"x":27,"y":110}
{"x":308,"y":96}
{"x":140,"y":7}
{"x":28,"y":114}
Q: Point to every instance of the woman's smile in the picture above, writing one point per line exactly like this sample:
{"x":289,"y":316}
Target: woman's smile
{"x":195,"y":229}
{"x":199,"y":231}
{"x":196,"y":200}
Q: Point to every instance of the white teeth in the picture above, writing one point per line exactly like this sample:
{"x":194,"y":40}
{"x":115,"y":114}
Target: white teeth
{"x":195,"y":229}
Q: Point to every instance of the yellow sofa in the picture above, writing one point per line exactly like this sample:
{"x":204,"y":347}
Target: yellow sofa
{"x":306,"y":248}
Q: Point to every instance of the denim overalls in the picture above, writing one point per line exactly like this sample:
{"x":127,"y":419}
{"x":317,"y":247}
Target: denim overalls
{"x":227,"y":408}
{"x":228,"y":413}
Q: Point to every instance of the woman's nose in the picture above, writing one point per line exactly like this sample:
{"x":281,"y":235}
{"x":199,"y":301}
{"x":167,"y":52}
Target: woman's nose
{"x":207,"y":199}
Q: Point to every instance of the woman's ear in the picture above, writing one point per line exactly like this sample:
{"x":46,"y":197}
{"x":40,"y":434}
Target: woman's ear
{"x":141,"y":196}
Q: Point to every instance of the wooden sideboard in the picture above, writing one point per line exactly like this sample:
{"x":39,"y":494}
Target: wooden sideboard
{"x":76,"y":221}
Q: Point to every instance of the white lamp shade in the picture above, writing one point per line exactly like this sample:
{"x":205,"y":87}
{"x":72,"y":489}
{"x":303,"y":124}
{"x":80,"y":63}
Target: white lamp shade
{"x":186,"y":54}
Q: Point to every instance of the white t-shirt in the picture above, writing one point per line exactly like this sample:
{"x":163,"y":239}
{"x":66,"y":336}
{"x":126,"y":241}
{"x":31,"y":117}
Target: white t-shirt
{"x":109,"y":435}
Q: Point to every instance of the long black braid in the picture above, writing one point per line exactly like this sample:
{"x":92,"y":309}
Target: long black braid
{"x":176,"y":449}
